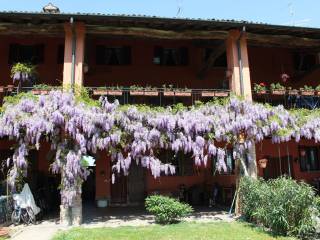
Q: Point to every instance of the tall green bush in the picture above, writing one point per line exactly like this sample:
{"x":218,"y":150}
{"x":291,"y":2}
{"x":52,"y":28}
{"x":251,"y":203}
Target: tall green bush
{"x":167,"y":210}
{"x":283,"y":205}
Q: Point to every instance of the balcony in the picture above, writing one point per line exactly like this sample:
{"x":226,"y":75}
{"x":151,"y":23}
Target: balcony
{"x":289,"y":98}
{"x":137,"y":95}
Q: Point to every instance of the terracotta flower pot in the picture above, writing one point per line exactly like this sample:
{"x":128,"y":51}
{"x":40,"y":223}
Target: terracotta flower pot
{"x":221,"y":93}
{"x":10,"y":88}
{"x":1,"y":89}
{"x":151,"y":93}
{"x":100,"y":92}
{"x":36,"y":91}
{"x":293,"y":92}
{"x":306,"y":92}
{"x":182,"y":94}
{"x":168,"y":93}
{"x":207,"y":94}
{"x":278,"y":92}
{"x":137,"y":93}
{"x":263,"y":163}
{"x":114,"y":92}
{"x":4,"y":232}
{"x":262,"y":92}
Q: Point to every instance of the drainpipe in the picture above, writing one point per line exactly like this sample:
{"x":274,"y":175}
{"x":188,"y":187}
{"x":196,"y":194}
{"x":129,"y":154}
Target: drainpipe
{"x":74,"y":43}
{"x":240,"y":60}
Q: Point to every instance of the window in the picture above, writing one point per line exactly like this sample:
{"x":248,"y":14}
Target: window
{"x":60,"y":55}
{"x":304,"y":61}
{"x":309,"y":159}
{"x":26,"y":53}
{"x":170,"y":56}
{"x":229,"y":161}
{"x":183,"y":162}
{"x":221,"y":61}
{"x":113,"y":55}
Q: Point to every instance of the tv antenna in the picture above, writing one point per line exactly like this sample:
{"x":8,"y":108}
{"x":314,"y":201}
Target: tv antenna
{"x":180,"y":8}
{"x":292,"y":13}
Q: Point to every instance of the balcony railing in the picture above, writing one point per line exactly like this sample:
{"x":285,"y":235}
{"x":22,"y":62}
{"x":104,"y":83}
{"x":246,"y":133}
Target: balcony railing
{"x":289,"y":98}
{"x":154,"y":96}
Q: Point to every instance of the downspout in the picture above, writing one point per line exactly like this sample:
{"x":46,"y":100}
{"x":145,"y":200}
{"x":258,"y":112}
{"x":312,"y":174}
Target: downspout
{"x":73,"y":63}
{"x":240,"y":61}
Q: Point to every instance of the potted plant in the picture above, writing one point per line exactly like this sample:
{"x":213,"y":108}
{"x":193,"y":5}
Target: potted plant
{"x":317,"y":90}
{"x":100,"y":91}
{"x":207,"y":93}
{"x":23,"y":74}
{"x":260,"y":88}
{"x":115,"y":91}
{"x":307,"y":91}
{"x":151,"y":91}
{"x":182,"y":92}
{"x":168,"y":91}
{"x":221,"y":93}
{"x":41,"y":89}
{"x":136,"y":90}
{"x":277,"y":89}
{"x":292,"y":91}
{"x":263,"y":163}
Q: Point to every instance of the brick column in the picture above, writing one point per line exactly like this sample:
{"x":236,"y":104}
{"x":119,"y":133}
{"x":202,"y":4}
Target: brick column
{"x":234,"y":72}
{"x":67,"y":65}
{"x":80,"y":52}
{"x":77,"y":31}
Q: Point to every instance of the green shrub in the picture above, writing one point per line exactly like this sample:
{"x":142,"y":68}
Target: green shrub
{"x":283,"y":205}
{"x":167,"y":210}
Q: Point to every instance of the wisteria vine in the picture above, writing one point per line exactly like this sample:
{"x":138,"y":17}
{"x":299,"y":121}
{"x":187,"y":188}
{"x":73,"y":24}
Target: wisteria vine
{"x":134,"y":133}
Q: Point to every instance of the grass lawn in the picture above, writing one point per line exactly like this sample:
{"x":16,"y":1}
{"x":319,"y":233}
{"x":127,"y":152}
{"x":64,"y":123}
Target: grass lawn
{"x":181,"y":231}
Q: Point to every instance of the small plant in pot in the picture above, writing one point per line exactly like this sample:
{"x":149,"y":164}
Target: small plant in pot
{"x":136,"y":90}
{"x":182,"y":92}
{"x":23,"y":74}
{"x":317,"y":90}
{"x":277,"y":89}
{"x":292,"y":91}
{"x":115,"y":91}
{"x":260,"y":88}
{"x":307,"y":91}
{"x":41,"y":89}
{"x":151,"y":91}
{"x":168,"y":90}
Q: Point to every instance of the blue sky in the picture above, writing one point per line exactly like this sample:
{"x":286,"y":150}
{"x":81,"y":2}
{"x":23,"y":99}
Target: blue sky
{"x":287,"y":12}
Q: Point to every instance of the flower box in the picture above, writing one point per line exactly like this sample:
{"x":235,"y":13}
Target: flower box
{"x":221,"y":93}
{"x":263,"y":92}
{"x":1,"y":89}
{"x":304,"y":92}
{"x":10,"y":88}
{"x":168,"y":93}
{"x":207,"y":94}
{"x":100,"y":92}
{"x":293,"y":92}
{"x":182,"y":94}
{"x":137,"y":93}
{"x":40,"y":91}
{"x":151,"y":93}
{"x":278,"y":92}
{"x":114,"y":92}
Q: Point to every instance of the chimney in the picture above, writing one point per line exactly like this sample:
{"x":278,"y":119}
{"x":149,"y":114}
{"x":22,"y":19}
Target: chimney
{"x":50,"y":8}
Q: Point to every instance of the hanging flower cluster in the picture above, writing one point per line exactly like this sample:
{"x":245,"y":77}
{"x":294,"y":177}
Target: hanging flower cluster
{"x":135,"y":133}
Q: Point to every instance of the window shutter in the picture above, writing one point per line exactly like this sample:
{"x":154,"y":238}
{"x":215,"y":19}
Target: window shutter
{"x":100,"y":55}
{"x":13,"y":53}
{"x":184,"y":56}
{"x":127,"y":55}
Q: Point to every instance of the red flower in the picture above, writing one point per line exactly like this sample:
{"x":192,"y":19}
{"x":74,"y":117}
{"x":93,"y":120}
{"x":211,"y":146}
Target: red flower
{"x":285,"y":77}
{"x":262,"y":84}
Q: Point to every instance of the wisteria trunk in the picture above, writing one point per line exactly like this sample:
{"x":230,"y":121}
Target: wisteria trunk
{"x":72,"y":215}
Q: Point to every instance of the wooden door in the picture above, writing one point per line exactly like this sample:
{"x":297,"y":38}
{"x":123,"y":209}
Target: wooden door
{"x":119,"y":190}
{"x":136,"y":185}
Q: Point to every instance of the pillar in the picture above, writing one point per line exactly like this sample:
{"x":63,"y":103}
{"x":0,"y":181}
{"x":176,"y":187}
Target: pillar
{"x":74,"y":39}
{"x":67,"y":65}
{"x":235,"y":41}
{"x":80,"y":51}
